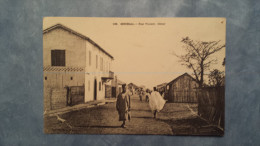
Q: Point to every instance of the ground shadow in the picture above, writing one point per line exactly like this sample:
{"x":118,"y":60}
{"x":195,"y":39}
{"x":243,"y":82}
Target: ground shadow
{"x":140,"y":110}
{"x":99,"y":126}
{"x":143,"y":117}
{"x":193,"y":126}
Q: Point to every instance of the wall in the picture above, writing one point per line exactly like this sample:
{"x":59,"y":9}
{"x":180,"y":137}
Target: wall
{"x":58,"y":98}
{"x":211,"y":105}
{"x":47,"y":99}
{"x":183,"y":90}
{"x":56,"y":77}
{"x":73,"y":45}
{"x":95,"y":73}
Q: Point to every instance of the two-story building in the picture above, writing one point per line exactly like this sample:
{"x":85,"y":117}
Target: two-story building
{"x":70,"y":59}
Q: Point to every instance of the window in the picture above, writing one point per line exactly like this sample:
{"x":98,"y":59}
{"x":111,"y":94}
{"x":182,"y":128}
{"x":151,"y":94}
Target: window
{"x":57,"y":57}
{"x":105,"y":66}
{"x":45,"y":78}
{"x":99,"y":86}
{"x":89,"y":56}
{"x":101,"y":63}
{"x":88,"y":85}
{"x":71,"y":78}
{"x":96,"y":61}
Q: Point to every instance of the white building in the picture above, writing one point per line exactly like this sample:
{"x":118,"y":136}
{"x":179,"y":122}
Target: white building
{"x":72,"y":59}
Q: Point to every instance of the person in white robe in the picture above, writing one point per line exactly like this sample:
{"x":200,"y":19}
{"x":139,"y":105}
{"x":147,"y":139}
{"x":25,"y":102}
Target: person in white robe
{"x":156,"y":102}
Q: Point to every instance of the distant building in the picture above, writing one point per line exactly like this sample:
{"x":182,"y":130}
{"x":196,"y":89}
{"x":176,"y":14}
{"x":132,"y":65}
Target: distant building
{"x":161,"y":87}
{"x":73,"y":61}
{"x":133,"y":86}
{"x":182,"y":89}
{"x":115,"y":88}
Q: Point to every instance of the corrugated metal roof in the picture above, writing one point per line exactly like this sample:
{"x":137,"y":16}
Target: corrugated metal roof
{"x":77,"y":34}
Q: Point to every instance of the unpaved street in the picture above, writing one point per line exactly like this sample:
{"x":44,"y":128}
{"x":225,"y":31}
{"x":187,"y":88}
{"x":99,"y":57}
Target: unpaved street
{"x":174,"y":119}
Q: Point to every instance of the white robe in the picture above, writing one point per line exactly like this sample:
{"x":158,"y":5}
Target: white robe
{"x":156,"y":101}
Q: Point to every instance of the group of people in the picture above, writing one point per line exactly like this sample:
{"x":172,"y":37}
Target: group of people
{"x":123,"y":104}
{"x":144,"y":94}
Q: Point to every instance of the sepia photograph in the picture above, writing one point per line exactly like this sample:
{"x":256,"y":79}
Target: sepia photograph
{"x":138,"y":76}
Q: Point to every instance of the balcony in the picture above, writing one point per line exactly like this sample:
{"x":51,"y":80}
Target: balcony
{"x":108,"y":76}
{"x":111,"y":74}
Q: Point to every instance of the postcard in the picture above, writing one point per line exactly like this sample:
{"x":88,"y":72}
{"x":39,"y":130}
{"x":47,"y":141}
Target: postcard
{"x":139,"y":76}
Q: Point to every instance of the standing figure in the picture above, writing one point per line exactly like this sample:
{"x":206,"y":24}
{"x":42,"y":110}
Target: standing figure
{"x":147,"y":95}
{"x":156,"y":102}
{"x":123,"y":105}
{"x":141,"y":95}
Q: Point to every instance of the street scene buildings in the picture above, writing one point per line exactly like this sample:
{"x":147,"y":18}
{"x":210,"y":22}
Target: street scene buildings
{"x":70,"y":61}
{"x":101,"y":76}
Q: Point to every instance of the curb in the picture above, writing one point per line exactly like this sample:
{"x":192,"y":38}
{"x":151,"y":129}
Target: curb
{"x":88,"y":105}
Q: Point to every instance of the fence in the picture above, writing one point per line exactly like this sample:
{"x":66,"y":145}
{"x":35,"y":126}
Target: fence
{"x":211,"y":104}
{"x":182,"y":96}
{"x":75,"y":95}
{"x":108,"y":91}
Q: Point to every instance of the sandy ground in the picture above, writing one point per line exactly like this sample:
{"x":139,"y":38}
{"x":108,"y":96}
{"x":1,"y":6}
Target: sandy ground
{"x":174,"y":119}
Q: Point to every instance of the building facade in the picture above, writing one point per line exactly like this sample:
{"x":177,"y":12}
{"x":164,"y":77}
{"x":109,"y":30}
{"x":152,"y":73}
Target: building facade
{"x":182,"y":89}
{"x":161,"y":88}
{"x":71,"y":59}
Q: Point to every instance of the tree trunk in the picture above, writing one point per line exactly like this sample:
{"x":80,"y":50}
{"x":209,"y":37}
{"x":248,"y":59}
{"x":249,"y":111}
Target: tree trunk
{"x":201,"y":75}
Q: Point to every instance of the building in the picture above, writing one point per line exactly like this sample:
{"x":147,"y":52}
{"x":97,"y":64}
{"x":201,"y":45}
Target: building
{"x":182,"y":89}
{"x":75,"y":64}
{"x":161,"y":88}
{"x":132,"y":86}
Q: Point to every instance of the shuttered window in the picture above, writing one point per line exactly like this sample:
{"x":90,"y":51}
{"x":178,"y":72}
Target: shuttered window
{"x":89,"y":58}
{"x":57,"y":57}
{"x":96,"y":61}
{"x":101,"y":63}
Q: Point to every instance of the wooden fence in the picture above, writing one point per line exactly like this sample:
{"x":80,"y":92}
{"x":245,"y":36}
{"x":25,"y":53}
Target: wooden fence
{"x":211,"y":104}
{"x":75,"y":95}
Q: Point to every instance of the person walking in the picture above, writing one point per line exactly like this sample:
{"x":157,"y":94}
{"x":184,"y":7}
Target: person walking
{"x":141,"y":95}
{"x":156,"y":102}
{"x":123,"y":105}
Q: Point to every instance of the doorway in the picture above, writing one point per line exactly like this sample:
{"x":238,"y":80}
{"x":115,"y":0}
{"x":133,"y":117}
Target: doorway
{"x":95,"y":89}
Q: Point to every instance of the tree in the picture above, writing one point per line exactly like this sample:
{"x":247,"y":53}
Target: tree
{"x":216,"y":78}
{"x":198,"y":56}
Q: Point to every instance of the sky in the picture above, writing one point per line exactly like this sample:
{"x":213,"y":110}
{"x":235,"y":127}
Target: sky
{"x":142,"y":47}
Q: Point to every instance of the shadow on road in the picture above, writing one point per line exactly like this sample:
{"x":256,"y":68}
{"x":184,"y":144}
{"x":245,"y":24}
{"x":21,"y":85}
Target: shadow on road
{"x":139,"y":110}
{"x":192,"y":126}
{"x":98,"y":126}
{"x":143,"y":117}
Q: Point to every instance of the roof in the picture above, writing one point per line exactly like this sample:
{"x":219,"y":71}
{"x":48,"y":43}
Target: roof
{"x":77,"y":34}
{"x":132,"y":84}
{"x":119,"y":82}
{"x":163,"y":84}
{"x":185,"y":74}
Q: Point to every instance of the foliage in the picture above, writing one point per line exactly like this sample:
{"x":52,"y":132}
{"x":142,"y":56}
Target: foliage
{"x":216,"y":78}
{"x":198,"y":56}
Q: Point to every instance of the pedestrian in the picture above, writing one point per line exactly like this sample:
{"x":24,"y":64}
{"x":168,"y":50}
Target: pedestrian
{"x":156,"y":102}
{"x":147,"y":95}
{"x":129,"y":91}
{"x":141,"y":95}
{"x":123,"y":105}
